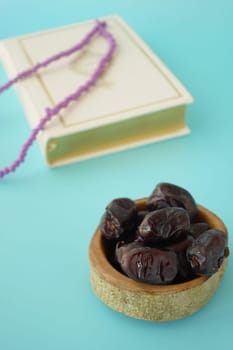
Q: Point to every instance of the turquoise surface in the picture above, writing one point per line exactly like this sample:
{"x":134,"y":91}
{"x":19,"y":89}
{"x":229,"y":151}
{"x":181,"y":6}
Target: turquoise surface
{"x":48,"y":216}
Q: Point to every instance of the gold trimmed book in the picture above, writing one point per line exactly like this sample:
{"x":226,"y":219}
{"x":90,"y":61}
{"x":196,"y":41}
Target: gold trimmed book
{"x":136,"y":101}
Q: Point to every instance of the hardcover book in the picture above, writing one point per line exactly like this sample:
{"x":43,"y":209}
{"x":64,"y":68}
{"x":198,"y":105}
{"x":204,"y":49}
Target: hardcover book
{"x":136,"y":101}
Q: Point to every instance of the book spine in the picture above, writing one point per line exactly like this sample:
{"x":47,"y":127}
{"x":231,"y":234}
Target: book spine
{"x":115,"y":137}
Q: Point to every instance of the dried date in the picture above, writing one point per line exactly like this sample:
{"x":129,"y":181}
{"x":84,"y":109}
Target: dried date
{"x":119,"y":217}
{"x":149,"y":265}
{"x":206,"y":253}
{"x":169,"y":195}
{"x":180,"y":247}
{"x":164,"y":224}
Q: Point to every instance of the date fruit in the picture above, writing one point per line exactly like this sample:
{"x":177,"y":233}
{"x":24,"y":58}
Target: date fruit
{"x":180,"y":247}
{"x":123,"y":248}
{"x":149,"y":265}
{"x":164,"y":224}
{"x":119,"y":217}
{"x":206,"y":253}
{"x":169,"y":195}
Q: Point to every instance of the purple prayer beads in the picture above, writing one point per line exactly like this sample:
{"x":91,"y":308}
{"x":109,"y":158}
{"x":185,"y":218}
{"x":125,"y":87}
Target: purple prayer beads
{"x":99,"y":28}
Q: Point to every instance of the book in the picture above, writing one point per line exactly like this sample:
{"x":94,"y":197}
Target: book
{"x":136,"y":101}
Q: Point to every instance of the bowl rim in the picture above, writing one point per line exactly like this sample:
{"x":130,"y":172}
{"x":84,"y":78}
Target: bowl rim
{"x":102,"y":266}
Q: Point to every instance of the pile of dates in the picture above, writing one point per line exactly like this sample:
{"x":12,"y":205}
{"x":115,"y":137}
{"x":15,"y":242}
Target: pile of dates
{"x":165,"y":242}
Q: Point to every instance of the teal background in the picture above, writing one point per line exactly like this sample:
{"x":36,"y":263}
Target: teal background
{"x":48,"y":216}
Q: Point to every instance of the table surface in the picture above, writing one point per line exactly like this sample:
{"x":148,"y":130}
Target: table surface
{"x":48,"y":216}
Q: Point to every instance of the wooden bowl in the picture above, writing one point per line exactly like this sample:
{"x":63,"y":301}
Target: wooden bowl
{"x":151,"y":302}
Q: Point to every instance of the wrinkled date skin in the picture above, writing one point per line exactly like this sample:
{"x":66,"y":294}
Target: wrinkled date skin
{"x":164,"y":224}
{"x":122,"y":248}
{"x":119,"y":217}
{"x":169,"y":195}
{"x":180,"y":247}
{"x":206,"y":253}
{"x":149,"y":265}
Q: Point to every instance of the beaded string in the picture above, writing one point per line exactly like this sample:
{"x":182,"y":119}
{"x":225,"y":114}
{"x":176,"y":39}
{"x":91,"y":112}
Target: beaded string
{"x":99,"y":28}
